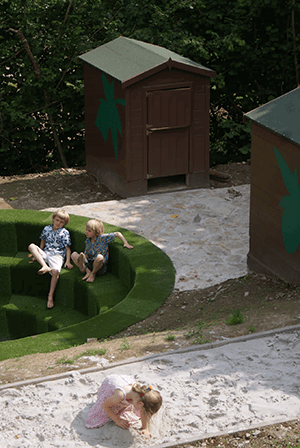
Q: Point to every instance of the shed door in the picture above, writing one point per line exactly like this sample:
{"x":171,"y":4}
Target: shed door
{"x":169,"y":120}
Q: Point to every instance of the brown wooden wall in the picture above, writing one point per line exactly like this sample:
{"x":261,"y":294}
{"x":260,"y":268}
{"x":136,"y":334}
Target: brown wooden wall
{"x":135,"y":132}
{"x":200,"y":129}
{"x":267,"y":252}
{"x":130,"y":168}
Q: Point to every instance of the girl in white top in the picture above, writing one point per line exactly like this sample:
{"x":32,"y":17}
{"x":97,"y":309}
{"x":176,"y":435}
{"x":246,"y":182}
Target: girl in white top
{"x":118,"y":395}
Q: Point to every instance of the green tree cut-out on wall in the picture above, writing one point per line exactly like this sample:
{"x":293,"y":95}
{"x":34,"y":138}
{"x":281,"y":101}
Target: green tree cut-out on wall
{"x":108,"y":115}
{"x":291,"y":206}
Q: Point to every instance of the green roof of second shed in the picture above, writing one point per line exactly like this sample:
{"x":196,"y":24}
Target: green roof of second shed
{"x":126,"y":59}
{"x":281,"y":115}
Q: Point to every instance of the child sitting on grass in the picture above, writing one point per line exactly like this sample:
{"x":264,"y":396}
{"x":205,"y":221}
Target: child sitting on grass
{"x":93,"y":261}
{"x":118,"y":396}
{"x":54,"y":247}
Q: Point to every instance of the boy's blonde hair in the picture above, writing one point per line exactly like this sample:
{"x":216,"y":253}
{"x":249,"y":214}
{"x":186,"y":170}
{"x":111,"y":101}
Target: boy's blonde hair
{"x":62,"y":214}
{"x":96,"y":225}
{"x":151,"y":399}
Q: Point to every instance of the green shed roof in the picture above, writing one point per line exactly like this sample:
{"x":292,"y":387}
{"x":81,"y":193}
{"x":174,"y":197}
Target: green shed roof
{"x":281,"y":115}
{"x":130,"y":60}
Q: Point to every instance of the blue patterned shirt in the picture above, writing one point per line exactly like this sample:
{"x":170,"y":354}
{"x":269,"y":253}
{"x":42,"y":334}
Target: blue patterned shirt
{"x":56,"y":242}
{"x":100,"y":246}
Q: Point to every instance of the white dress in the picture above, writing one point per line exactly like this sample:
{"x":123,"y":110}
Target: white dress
{"x":97,"y":416}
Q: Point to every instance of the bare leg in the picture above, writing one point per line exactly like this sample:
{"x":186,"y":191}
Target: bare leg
{"x":53,"y":283}
{"x":45,"y":268}
{"x":97,"y":265}
{"x":79,"y":261}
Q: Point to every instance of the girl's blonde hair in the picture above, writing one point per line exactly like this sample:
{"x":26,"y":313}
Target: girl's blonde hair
{"x":62,"y":214}
{"x":151,"y":399}
{"x":96,"y":225}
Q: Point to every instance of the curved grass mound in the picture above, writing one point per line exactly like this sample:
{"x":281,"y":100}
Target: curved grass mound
{"x":137,"y":283}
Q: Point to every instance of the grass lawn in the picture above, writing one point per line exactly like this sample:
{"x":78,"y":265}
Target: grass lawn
{"x":137,"y":283}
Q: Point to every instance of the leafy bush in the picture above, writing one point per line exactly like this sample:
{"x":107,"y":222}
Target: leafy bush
{"x":252,"y":46}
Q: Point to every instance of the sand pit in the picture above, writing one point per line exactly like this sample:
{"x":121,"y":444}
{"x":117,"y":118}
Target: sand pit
{"x":205,"y":391}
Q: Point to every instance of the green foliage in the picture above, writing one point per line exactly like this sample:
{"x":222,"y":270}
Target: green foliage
{"x":64,"y":360}
{"x":196,"y":334}
{"x":235,"y":318}
{"x":250,"y":45}
{"x":93,"y":352}
{"x":125,"y":344}
{"x":90,"y":352}
{"x":170,"y":336}
{"x":42,"y":88}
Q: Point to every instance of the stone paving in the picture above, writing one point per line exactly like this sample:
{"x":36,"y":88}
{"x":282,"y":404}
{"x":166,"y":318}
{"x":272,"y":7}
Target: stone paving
{"x":205,"y":232}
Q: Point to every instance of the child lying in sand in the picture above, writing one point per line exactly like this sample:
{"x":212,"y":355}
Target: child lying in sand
{"x":118,"y":395}
{"x":95,"y":257}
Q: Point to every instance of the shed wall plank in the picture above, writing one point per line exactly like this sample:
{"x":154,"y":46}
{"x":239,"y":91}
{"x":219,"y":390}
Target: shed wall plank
{"x":267,"y":190}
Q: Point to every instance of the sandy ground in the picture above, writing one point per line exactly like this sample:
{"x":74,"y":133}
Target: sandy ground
{"x":205,"y":391}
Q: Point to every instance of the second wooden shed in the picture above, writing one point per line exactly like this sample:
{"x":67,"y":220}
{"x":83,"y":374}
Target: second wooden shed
{"x":146,"y":117}
{"x":275,"y":193}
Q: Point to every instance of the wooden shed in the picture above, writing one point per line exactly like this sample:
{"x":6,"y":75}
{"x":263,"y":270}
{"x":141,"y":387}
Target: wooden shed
{"x":146,"y":117}
{"x":275,"y":194}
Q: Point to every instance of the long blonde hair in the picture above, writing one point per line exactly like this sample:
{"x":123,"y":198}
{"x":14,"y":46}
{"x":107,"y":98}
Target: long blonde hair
{"x":151,"y":399}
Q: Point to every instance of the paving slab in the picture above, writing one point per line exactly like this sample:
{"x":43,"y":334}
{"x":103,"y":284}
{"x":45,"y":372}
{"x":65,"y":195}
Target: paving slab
{"x":205,"y":232}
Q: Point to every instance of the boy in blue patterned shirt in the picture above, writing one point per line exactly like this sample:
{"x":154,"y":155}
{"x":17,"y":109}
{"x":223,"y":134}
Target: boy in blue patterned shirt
{"x":54,"y":247}
{"x":93,"y":261}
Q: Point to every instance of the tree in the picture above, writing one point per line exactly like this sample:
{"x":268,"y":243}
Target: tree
{"x":253,"y":47}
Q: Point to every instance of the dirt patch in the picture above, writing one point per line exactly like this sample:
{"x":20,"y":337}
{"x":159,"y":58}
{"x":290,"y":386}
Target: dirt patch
{"x":75,"y":186}
{"x":190,"y":317}
{"x":55,"y":189}
{"x":257,"y":302}
{"x":282,"y":435}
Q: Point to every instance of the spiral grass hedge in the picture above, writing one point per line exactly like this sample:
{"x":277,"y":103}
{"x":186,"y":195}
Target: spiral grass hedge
{"x":137,"y":283}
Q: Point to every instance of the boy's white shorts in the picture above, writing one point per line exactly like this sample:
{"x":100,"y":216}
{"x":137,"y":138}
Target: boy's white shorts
{"x":54,"y":261}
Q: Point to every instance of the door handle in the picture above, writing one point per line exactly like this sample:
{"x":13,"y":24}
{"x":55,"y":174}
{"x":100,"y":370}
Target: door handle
{"x":148,"y":129}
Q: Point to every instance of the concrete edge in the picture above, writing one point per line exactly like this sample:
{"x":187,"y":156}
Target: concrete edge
{"x":194,"y":348}
{"x":239,"y":428}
